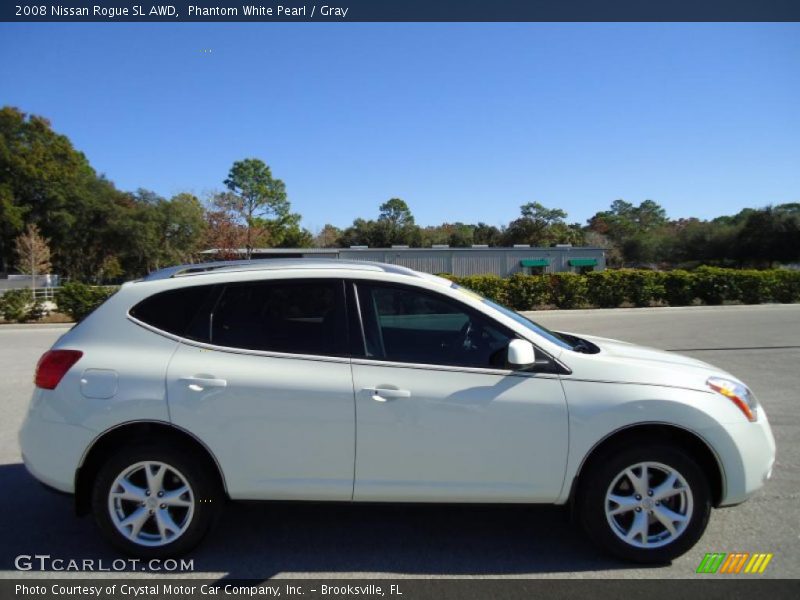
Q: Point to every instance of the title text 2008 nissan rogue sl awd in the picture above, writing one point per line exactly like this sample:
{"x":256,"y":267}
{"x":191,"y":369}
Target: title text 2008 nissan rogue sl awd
{"x":336,"y":381}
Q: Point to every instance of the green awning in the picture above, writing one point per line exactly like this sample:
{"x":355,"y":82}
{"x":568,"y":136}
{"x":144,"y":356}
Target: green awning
{"x":535,"y":262}
{"x":583,"y":262}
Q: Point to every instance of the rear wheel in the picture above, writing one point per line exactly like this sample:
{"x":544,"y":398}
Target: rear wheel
{"x":154,"y":501}
{"x":647,"y":504}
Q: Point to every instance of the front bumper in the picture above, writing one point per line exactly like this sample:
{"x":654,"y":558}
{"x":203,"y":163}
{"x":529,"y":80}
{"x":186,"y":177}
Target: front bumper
{"x":748,"y":459}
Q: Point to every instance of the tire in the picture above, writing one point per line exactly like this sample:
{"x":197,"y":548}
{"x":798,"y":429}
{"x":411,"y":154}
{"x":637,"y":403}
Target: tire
{"x":140,"y":522}
{"x":651,"y":523}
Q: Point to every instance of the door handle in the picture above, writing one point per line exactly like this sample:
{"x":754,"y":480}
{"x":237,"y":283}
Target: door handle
{"x":381,"y":394}
{"x":198,"y":384}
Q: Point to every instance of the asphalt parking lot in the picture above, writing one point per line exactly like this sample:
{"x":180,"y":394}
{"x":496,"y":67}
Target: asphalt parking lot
{"x":761,"y":344}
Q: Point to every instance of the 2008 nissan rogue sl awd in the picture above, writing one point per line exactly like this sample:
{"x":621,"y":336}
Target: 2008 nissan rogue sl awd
{"x":350,"y":381}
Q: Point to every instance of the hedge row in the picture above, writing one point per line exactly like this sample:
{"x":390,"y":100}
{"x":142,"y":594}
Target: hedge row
{"x":19,"y":305}
{"x":605,"y":289}
{"x":612,"y":288}
{"x":78,"y":299}
{"x":74,"y":299}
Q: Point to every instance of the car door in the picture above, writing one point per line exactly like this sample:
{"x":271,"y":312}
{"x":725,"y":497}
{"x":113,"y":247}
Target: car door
{"x":439,"y":416}
{"x":268,"y":388}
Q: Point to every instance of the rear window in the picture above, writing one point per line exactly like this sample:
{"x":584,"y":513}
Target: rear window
{"x":299,"y":317}
{"x":179,"y":311}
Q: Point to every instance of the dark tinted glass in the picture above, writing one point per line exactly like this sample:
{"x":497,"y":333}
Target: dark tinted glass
{"x":178,"y":311}
{"x":301,"y":317}
{"x":408,"y":325}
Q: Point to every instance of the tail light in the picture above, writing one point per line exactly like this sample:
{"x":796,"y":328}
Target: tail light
{"x":53,"y":365}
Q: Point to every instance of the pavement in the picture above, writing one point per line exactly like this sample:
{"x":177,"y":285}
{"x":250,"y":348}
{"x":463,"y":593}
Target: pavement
{"x":761,"y":344}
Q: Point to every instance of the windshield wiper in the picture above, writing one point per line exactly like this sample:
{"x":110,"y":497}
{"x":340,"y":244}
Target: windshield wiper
{"x":579,"y":344}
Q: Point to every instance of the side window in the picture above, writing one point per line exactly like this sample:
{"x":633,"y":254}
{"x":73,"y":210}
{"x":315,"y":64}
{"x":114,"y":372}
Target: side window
{"x":300,"y":317}
{"x":184,"y":311}
{"x":414,"y":326}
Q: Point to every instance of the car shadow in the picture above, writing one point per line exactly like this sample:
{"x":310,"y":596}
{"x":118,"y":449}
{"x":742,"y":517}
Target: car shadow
{"x":261,"y":540}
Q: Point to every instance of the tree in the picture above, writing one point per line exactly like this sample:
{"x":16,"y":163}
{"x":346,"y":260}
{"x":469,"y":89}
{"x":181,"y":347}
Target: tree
{"x":395,"y":225}
{"x":360,"y":233}
{"x":43,"y":180}
{"x":770,"y":235}
{"x":624,"y":219}
{"x":598,"y":240}
{"x":456,"y":235}
{"x":296,"y":237}
{"x":223,"y":234}
{"x":254,"y":193}
{"x":33,"y":254}
{"x":486,"y":234}
{"x":181,"y":228}
{"x":649,"y":215}
{"x":636,"y":231}
{"x":283,"y":231}
{"x":12,"y":218}
{"x":396,"y":214}
{"x":328,"y":237}
{"x":538,"y":226}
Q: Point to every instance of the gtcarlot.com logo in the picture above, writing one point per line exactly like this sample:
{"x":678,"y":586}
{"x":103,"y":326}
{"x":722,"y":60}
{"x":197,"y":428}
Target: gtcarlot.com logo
{"x":46,"y":562}
{"x":735,"y":563}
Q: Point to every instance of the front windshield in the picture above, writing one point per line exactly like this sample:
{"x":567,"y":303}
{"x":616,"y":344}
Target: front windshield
{"x":522,"y":320}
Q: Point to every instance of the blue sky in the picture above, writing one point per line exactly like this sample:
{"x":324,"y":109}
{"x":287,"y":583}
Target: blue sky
{"x":463,"y":121}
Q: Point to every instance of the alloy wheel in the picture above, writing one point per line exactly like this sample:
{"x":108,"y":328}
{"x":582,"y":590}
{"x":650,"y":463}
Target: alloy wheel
{"x":151,"y":503}
{"x":649,"y":505}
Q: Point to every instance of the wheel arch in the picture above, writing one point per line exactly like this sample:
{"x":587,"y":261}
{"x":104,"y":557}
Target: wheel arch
{"x":131,"y":432}
{"x":632,"y":434}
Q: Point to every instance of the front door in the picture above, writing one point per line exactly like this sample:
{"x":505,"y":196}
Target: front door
{"x":439,"y":416}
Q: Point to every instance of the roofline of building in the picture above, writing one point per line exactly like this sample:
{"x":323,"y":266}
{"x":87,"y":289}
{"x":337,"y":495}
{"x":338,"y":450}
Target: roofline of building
{"x":404,"y":249}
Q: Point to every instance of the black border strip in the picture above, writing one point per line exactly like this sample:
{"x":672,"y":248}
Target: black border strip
{"x":405,"y":11}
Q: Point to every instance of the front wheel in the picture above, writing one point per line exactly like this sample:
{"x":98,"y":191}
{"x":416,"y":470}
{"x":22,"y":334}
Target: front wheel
{"x":646,"y":504}
{"x":154,"y":502}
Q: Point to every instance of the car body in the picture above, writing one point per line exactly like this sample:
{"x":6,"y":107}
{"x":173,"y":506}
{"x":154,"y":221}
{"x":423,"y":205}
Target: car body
{"x":329,"y":380}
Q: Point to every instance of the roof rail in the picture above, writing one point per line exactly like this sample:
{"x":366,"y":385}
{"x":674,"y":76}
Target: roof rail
{"x":274,"y":263}
{"x":196,"y":268}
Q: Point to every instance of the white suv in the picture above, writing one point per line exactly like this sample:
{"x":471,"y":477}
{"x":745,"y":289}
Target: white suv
{"x":350,"y":381}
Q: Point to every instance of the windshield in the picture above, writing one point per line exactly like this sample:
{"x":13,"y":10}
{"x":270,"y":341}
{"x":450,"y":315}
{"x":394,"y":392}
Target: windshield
{"x":522,"y":320}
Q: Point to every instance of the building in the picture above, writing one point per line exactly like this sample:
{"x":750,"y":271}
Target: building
{"x":477,"y":260}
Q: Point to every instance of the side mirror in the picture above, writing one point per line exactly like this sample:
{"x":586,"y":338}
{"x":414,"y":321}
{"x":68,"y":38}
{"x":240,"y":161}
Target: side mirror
{"x":521,"y":353}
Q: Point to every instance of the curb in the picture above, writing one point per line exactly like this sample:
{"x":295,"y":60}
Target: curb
{"x":660,"y":309}
{"x":35,"y":326}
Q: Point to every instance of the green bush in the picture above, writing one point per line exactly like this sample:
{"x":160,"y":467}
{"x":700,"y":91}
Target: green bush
{"x":490,"y":286}
{"x":714,"y":285}
{"x":568,"y":290}
{"x":679,"y":288}
{"x":752,"y":287}
{"x":785,"y":286}
{"x":642,"y":288}
{"x":19,"y":305}
{"x":604,"y":289}
{"x":526,"y":292}
{"x":78,"y":299}
{"x":610,"y":288}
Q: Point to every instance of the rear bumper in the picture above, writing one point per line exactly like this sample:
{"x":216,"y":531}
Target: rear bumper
{"x":52,"y":450}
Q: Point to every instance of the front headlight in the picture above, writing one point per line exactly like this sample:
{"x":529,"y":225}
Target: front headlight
{"x":736,"y":393}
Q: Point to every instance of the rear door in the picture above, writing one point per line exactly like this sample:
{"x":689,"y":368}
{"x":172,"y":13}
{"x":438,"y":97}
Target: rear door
{"x":267,"y":386}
